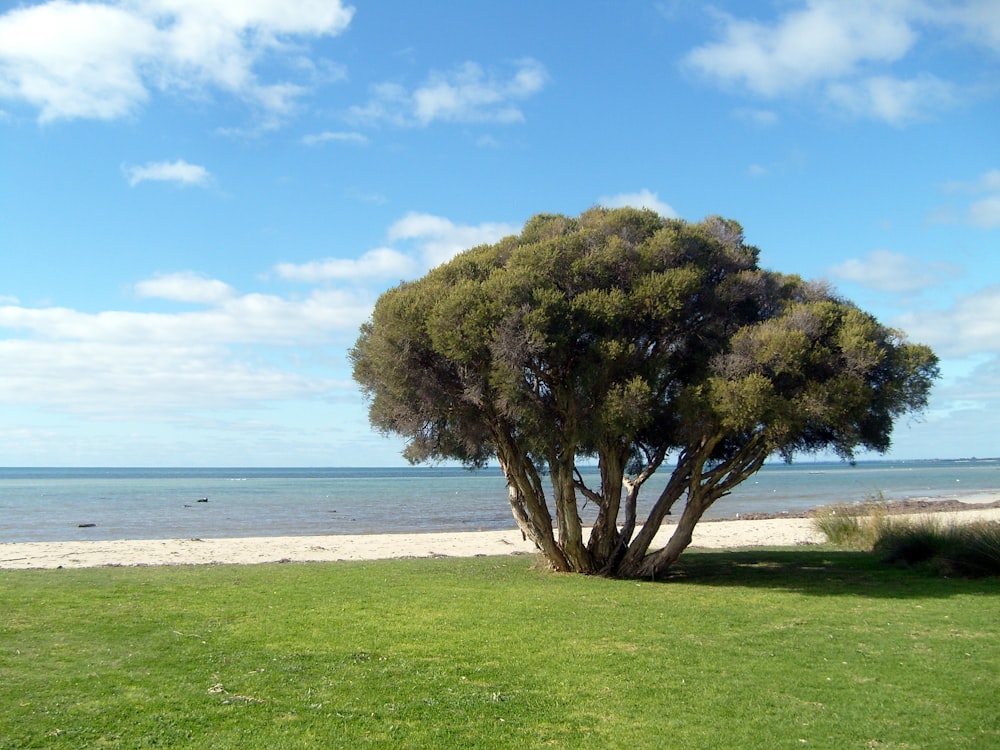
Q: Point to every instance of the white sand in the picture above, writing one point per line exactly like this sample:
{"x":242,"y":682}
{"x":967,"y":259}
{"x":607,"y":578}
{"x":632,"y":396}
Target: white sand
{"x":710,"y":534}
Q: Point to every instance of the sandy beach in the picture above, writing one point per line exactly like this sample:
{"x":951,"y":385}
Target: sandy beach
{"x":708,"y":534}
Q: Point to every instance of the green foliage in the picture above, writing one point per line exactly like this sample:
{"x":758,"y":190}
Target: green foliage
{"x":754,"y":650}
{"x":627,"y":337}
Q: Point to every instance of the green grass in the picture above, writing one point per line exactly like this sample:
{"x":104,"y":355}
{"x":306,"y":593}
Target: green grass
{"x":807,"y":647}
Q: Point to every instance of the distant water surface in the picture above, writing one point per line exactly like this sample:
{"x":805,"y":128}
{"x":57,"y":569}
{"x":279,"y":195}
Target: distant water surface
{"x":58,"y":504}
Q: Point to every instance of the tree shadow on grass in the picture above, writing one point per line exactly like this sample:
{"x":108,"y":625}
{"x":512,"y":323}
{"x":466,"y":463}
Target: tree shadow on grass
{"x":818,"y":571}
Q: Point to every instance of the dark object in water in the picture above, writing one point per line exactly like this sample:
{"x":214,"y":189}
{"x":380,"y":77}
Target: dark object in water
{"x":203,"y":500}
{"x":86,"y":525}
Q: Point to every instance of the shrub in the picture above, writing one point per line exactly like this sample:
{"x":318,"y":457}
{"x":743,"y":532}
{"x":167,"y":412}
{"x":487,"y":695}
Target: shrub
{"x":909,"y":541}
{"x":970,"y":550}
{"x":975,"y":551}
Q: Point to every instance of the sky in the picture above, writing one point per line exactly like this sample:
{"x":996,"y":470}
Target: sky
{"x":201,"y":200}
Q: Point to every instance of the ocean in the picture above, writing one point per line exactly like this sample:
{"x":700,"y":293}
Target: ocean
{"x":63,"y":504}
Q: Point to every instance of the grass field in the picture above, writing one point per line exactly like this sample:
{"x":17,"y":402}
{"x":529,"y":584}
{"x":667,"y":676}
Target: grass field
{"x":805,"y":647}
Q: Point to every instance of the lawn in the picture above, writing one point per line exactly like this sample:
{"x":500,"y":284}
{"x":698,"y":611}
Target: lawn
{"x":805,"y":647}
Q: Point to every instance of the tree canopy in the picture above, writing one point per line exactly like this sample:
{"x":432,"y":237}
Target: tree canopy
{"x":641,"y":342}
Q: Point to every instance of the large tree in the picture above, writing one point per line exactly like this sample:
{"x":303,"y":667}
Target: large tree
{"x":640,"y":341}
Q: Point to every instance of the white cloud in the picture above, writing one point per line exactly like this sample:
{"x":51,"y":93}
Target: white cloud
{"x":108,"y":380}
{"x":886,"y":271}
{"x":893,"y":100}
{"x":75,"y":59}
{"x":642,"y":199}
{"x":229,"y":319}
{"x":971,"y":326}
{"x":367,"y":196}
{"x":762,"y":118}
{"x":844,"y":54}
{"x":977,"y":20}
{"x":382,"y":263}
{"x":185,"y":287}
{"x":466,"y":94}
{"x":977,"y":387}
{"x":988,"y":182}
{"x":233,"y":350}
{"x":339,"y":137}
{"x":440,"y":239}
{"x":100,"y":60}
{"x":236,"y":350}
{"x":168,"y":171}
{"x":983,"y":212}
{"x":986,"y":212}
{"x":825,"y":40}
{"x":434,"y":238}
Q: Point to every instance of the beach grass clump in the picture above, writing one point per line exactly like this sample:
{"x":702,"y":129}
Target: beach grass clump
{"x":854,"y":525}
{"x":972,"y":551}
{"x":954,"y":549}
{"x":911,"y":541}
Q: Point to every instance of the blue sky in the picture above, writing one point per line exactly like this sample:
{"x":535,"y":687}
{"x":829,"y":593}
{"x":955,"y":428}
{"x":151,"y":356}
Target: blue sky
{"x":200,"y":200}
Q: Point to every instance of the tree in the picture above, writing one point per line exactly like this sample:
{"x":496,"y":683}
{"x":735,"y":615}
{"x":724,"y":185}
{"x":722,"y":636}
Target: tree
{"x":626,"y":337}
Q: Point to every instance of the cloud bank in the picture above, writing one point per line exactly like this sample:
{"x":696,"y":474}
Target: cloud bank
{"x":209,"y":346}
{"x":971,"y":326}
{"x":466,"y":94}
{"x":439,"y":239}
{"x":338,"y":137}
{"x":381,"y":263}
{"x":846,"y":54}
{"x":886,"y":271}
{"x":116,"y":364}
{"x":179,"y":172}
{"x":94,"y":60}
{"x":642,"y":199}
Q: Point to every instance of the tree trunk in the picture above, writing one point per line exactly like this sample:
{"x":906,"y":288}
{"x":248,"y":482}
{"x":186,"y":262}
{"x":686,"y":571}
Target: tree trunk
{"x":703,"y":489}
{"x":662,"y":559}
{"x":568,"y":515}
{"x":527,"y":503}
{"x":604,"y":537}
{"x":633,"y":487}
{"x":637,"y":549}
{"x":625,"y":533}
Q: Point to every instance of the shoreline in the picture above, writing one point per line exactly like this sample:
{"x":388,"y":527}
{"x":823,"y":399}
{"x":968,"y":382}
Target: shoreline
{"x":776,"y":530}
{"x":982,"y":500}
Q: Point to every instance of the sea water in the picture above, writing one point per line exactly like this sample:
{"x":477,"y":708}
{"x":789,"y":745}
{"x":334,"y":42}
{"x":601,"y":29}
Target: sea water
{"x":61,"y":504}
